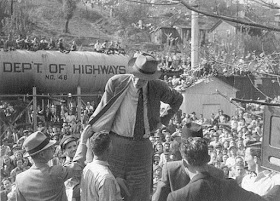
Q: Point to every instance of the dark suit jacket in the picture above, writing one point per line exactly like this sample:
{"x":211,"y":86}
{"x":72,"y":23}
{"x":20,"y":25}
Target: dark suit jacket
{"x":204,"y":187}
{"x":174,"y":177}
{"x":45,"y":183}
{"x":157,"y":91}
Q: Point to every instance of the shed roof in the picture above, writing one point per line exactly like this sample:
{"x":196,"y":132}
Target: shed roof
{"x":215,"y":79}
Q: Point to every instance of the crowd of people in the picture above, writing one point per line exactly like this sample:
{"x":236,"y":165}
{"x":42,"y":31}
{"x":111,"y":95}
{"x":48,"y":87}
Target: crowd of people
{"x":35,"y":43}
{"x":179,"y":65}
{"x":170,"y":62}
{"x":227,"y":139}
{"x":41,"y":43}
{"x":108,"y":47}
{"x":56,"y":122}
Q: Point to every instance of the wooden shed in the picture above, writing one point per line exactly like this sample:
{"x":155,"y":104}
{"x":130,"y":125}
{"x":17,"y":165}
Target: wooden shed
{"x":181,"y":34}
{"x":160,"y":35}
{"x":202,"y":97}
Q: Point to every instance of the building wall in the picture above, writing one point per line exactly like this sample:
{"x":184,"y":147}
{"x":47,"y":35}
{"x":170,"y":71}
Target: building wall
{"x":203,"y":98}
{"x":156,"y":37}
{"x":243,"y":84}
{"x":270,"y":87}
{"x":182,"y":34}
{"x":224,"y":31}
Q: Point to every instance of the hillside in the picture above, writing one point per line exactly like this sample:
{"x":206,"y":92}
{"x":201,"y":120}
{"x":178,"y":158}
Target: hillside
{"x":87,"y":24}
{"x":90,"y":23}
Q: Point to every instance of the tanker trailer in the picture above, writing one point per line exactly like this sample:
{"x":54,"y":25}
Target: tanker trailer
{"x":56,"y":72}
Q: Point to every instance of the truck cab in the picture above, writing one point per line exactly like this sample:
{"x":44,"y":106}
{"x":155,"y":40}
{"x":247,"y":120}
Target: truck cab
{"x":271,"y":138}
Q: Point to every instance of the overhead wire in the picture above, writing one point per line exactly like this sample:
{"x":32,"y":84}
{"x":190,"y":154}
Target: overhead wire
{"x":226,"y":18}
{"x":158,"y":4}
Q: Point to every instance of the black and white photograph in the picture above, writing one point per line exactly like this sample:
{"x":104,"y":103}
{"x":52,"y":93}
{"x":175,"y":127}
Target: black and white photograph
{"x":140,"y":100}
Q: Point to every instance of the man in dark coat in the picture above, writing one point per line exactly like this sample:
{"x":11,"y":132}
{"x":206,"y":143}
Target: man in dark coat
{"x":43,"y":182}
{"x":174,"y":175}
{"x":203,"y":186}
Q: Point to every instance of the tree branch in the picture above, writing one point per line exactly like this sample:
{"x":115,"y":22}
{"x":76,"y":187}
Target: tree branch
{"x":185,"y":3}
{"x":268,"y":5}
{"x":253,"y":101}
{"x":157,"y":4}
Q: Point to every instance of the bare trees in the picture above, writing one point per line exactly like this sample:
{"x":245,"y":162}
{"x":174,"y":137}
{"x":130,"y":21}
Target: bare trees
{"x":68,"y":7}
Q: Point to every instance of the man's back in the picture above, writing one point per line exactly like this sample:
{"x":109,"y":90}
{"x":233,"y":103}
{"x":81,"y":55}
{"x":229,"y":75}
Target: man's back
{"x":204,"y":187}
{"x":98,"y":183}
{"x":41,"y":183}
{"x":175,"y":177}
{"x":201,"y":188}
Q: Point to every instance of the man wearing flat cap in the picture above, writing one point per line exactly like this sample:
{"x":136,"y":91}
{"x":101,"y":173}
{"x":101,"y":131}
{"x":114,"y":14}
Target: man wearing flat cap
{"x":130,"y":111}
{"x":42,"y":182}
{"x":174,"y":174}
{"x":68,"y":146}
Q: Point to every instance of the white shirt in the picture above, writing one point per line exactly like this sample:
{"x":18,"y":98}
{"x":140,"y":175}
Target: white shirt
{"x":98,"y":183}
{"x":164,"y":159}
{"x":230,"y":162}
{"x":214,"y":143}
{"x":126,"y":115}
{"x":97,"y":46}
{"x":262,"y":183}
{"x":70,"y":118}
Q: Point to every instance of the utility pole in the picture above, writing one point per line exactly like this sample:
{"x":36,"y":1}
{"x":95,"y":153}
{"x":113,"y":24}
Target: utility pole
{"x":194,"y":38}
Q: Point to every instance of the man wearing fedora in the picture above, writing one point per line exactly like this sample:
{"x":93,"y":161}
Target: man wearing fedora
{"x":174,"y":174}
{"x":130,"y":111}
{"x":42,"y":182}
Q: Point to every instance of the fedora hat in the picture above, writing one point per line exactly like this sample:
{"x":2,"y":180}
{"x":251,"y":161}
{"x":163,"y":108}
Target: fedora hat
{"x":144,"y":66}
{"x":192,"y":130}
{"x":37,"y":142}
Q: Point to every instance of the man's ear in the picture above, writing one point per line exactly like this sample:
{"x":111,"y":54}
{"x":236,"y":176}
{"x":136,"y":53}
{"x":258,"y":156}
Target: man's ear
{"x":42,"y":154}
{"x":256,"y":159}
{"x":208,"y":158}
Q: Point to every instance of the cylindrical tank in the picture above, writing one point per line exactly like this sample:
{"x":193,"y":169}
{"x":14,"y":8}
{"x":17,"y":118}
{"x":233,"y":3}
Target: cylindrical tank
{"x":56,"y":72}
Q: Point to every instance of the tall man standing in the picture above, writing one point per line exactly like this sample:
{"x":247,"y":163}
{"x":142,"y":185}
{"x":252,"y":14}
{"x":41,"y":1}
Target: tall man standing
{"x":130,"y":111}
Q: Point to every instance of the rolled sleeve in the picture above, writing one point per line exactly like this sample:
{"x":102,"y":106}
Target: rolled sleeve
{"x":171,"y":97}
{"x":65,"y":173}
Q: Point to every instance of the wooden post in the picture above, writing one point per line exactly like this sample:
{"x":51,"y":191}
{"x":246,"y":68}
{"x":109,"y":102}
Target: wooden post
{"x":79,"y":104}
{"x":34,"y":109}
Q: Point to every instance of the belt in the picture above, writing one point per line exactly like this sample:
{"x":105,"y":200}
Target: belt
{"x":127,"y":138}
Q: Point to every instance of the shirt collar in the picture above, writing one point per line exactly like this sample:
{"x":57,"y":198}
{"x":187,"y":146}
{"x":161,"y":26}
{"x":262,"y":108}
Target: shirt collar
{"x":99,"y":162}
{"x":67,"y":160}
{"x":199,"y":176}
{"x":136,"y":90}
{"x":266,"y":173}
